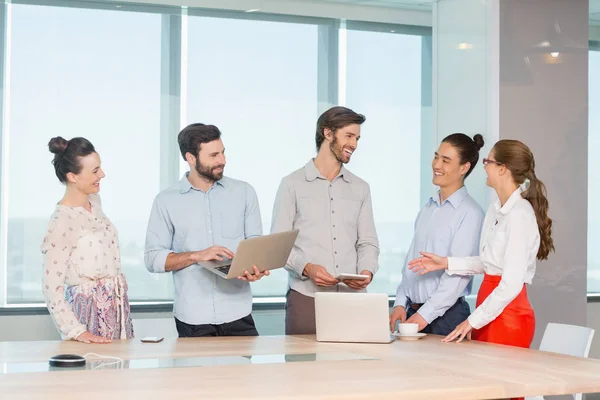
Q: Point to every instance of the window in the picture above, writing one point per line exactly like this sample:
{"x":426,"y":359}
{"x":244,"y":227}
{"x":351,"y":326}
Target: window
{"x":261,"y":91}
{"x":593,"y":182}
{"x":263,"y":80}
{"x":71,"y":76}
{"x":384,"y":84}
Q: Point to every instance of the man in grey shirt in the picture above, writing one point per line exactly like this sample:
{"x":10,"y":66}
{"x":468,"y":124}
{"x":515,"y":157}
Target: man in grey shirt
{"x":331,"y":208}
{"x":204,"y":217}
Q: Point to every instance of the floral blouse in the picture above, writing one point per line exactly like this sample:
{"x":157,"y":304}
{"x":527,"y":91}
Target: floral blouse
{"x":82,"y":283}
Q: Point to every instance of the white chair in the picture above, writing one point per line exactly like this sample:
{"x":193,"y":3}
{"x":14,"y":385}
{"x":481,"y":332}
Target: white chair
{"x":578,"y":344}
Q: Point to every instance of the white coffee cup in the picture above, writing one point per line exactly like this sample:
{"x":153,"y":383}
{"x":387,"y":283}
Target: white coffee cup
{"x":408,"y":329}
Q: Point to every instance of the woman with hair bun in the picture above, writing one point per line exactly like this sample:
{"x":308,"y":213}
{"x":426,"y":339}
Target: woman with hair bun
{"x":448,"y":224}
{"x":85,"y":291}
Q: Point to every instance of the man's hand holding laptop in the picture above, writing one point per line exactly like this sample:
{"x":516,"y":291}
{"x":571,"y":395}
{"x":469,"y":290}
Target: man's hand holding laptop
{"x":254,"y":276}
{"x":218,"y":253}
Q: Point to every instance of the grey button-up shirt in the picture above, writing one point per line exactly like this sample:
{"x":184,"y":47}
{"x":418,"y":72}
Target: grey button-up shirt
{"x":335,"y":223}
{"x":184,"y":218}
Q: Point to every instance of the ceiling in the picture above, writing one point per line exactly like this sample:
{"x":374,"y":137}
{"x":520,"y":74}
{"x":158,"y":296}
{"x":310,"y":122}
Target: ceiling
{"x":427,"y":4}
{"x":404,"y":4}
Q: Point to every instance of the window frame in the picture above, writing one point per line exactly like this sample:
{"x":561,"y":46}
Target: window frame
{"x":330,"y":85}
{"x":593,"y":297}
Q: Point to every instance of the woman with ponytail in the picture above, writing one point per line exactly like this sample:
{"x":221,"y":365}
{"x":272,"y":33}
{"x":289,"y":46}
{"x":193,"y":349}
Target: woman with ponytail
{"x":516,"y":233}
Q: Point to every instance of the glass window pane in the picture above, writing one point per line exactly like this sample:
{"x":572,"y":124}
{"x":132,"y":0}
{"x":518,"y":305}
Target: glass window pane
{"x":256,"y":81}
{"x":593,"y":181}
{"x":384,"y":84}
{"x":90,"y":73}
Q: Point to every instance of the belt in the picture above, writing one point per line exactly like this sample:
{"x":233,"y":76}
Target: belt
{"x":416,"y":306}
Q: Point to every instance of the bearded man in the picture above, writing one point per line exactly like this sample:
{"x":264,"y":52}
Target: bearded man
{"x":202,"y":218}
{"x":331,"y":207}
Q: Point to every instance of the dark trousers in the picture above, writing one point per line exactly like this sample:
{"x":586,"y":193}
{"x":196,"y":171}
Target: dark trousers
{"x":241,"y":327}
{"x":445,"y":324}
{"x":299,"y":314}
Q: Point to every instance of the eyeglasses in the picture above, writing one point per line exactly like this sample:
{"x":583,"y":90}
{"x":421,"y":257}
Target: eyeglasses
{"x":486,"y":161}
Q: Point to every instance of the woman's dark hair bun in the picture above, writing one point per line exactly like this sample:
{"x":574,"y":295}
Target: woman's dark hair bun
{"x":68,"y":154}
{"x":478,"y":139}
{"x":58,"y":145}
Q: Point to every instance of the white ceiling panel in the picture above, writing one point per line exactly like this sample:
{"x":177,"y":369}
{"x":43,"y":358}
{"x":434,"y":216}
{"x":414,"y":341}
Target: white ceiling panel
{"x":427,"y":5}
{"x":403,"y":4}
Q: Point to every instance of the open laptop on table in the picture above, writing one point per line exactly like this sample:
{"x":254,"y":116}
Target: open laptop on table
{"x":352,"y":317}
{"x":266,"y":252}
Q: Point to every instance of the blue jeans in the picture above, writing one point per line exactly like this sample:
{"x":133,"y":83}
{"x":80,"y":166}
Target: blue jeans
{"x":446,"y":323}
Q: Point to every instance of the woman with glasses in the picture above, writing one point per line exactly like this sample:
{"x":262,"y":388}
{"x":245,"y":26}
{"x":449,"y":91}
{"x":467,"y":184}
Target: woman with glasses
{"x":85,"y":291}
{"x":516,"y":233}
{"x":449,"y":224}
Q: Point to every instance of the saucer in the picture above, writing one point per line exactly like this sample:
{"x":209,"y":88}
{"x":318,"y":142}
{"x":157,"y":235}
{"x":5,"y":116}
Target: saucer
{"x":416,"y":336}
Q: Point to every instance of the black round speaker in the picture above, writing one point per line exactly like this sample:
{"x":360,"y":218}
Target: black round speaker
{"x":67,"y":361}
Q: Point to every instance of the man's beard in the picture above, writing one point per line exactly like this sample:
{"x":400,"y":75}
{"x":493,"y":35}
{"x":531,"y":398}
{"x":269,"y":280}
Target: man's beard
{"x":338,"y":151}
{"x":209,"y":172}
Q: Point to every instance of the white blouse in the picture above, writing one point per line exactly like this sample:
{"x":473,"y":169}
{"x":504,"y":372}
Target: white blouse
{"x":79,"y":247}
{"x":508,"y":247}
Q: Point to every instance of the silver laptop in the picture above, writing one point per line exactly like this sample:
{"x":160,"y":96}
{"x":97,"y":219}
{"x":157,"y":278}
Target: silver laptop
{"x":266,"y":252}
{"x":352,"y":317}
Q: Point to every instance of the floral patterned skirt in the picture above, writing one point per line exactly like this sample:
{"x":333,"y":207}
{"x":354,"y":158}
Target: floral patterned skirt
{"x":102,"y":306}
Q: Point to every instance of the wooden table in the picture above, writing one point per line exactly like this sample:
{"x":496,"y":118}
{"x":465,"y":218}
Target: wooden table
{"x":423,"y":369}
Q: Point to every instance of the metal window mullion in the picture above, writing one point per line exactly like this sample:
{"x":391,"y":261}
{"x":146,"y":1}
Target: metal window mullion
{"x":342,"y":62}
{"x":327,"y":68}
{"x":170,"y":98}
{"x":428,"y":135}
{"x":5,"y":20}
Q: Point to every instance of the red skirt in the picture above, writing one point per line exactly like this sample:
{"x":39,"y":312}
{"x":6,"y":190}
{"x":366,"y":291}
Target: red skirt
{"x":515,"y":326}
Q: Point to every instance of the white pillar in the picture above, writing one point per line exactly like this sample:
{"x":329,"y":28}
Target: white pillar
{"x":461,"y":77}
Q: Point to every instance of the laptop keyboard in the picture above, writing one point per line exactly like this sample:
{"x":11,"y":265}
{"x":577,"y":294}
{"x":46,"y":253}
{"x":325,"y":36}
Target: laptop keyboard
{"x":224,"y":269}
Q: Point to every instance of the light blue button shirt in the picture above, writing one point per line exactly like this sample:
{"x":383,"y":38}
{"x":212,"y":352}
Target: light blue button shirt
{"x":448,"y":229}
{"x":185,"y":218}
